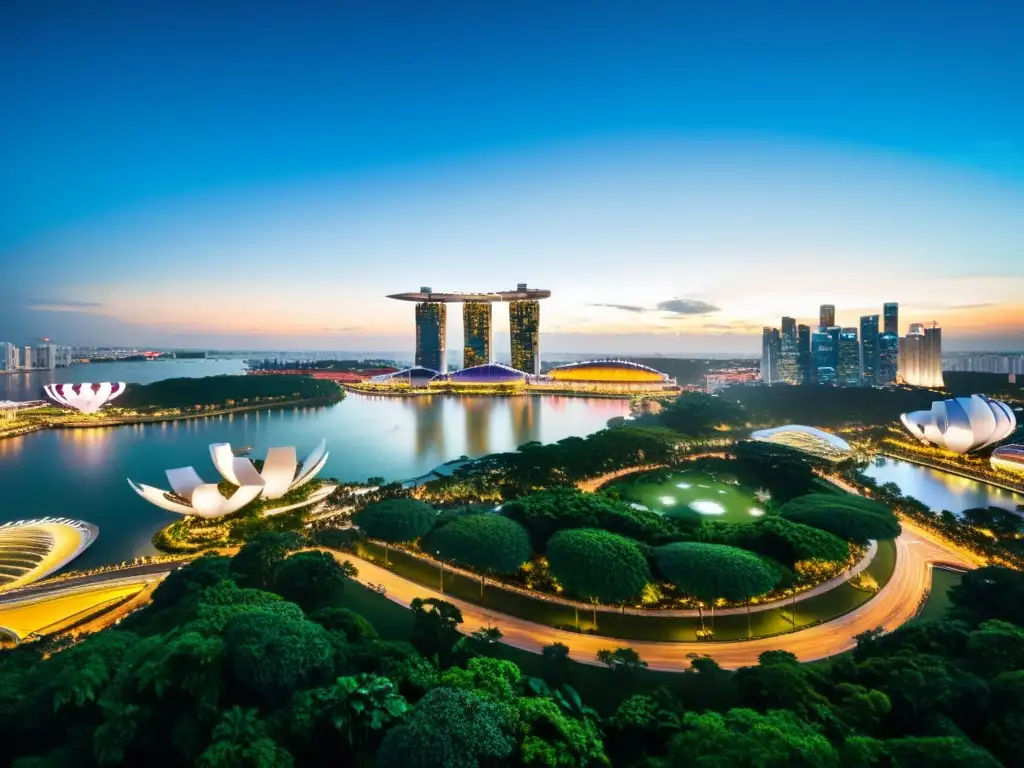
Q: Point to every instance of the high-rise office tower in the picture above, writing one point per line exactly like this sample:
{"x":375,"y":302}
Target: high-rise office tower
{"x":888,"y":358}
{"x":803,"y":353}
{"x":431,"y":327}
{"x":920,"y":356}
{"x":770,"y":348}
{"x":789,"y":372}
{"x":8,"y":356}
{"x":477,"y":333}
{"x":869,"y":350}
{"x":848,"y":359}
{"x":524,"y":325}
{"x":827,"y":316}
{"x":823,"y":357}
{"x":891,"y":316}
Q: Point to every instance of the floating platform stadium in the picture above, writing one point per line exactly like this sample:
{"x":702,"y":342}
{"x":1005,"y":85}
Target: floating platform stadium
{"x":32,"y":549}
{"x":620,"y":377}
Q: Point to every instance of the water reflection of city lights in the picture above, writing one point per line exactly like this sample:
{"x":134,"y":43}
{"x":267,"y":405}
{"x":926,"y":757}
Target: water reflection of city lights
{"x":667,"y":501}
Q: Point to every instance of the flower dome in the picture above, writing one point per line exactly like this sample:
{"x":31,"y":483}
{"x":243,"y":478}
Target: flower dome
{"x":487,"y":375}
{"x":811,"y":440}
{"x":962,"y":424}
{"x":85,"y":397}
{"x":608,"y":371}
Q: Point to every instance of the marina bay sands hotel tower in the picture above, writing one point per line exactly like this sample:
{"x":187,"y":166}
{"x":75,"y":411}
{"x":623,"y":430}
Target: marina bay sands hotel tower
{"x":478,"y":326}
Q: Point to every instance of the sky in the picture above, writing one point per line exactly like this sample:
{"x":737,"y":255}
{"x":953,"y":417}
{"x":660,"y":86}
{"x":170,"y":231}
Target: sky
{"x":261,"y":175}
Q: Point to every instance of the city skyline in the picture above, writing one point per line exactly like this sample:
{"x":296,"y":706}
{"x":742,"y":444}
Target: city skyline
{"x":655,"y":178}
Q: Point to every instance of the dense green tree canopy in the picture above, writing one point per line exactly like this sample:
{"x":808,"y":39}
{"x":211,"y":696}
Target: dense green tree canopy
{"x":313,"y":579}
{"x":785,"y":473}
{"x":256,"y":563}
{"x":849,"y":517}
{"x":396,"y":520}
{"x":488,"y":543}
{"x":597,"y":565}
{"x":698,"y":415}
{"x":991,"y":593}
{"x":711,"y":571}
{"x":226,"y":391}
{"x":448,"y":728}
{"x":787,"y":542}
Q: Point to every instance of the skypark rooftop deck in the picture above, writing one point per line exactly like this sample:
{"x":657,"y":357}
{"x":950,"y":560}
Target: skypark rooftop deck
{"x":425,"y":294}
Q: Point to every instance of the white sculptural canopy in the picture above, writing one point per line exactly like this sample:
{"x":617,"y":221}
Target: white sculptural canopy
{"x":962,"y":424}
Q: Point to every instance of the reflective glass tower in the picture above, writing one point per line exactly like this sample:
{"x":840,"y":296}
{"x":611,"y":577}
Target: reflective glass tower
{"x":920,"y":357}
{"x":891,"y":316}
{"x":431,"y":327}
{"x":869,"y":350}
{"x":770,"y":348}
{"x":888,"y":358}
{"x":789,"y":372}
{"x":477,"y":333}
{"x":848,"y":359}
{"x":827,"y":316}
{"x":524,"y":326}
{"x":823,"y":357}
{"x":803,"y":353}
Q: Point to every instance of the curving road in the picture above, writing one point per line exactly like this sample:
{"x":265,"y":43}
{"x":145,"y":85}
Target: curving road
{"x":897,"y":602}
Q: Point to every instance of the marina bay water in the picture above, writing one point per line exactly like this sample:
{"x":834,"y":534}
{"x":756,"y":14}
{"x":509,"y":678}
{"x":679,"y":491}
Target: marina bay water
{"x":941,"y":490}
{"x":83,"y":473}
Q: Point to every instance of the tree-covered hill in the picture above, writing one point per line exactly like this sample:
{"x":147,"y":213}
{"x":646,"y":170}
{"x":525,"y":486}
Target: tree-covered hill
{"x":226,"y":391}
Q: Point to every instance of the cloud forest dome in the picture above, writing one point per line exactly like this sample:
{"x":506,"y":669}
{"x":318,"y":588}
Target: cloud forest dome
{"x":32,"y":549}
{"x":807,"y":439}
{"x":962,"y":424}
{"x":607,"y":371}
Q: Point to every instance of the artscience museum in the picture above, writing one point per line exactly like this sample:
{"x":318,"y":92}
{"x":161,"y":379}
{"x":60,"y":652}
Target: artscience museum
{"x":281,"y":473}
{"x":962,"y":424}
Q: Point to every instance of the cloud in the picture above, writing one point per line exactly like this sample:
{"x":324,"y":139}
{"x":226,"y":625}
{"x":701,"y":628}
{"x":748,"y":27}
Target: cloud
{"x":681,"y":307}
{"x":58,"y":304}
{"x":623,"y":307}
{"x":346,"y":329}
{"x":687,"y":307}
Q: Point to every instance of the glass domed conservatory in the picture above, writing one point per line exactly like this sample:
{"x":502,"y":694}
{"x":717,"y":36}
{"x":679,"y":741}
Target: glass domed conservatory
{"x":487,"y":375}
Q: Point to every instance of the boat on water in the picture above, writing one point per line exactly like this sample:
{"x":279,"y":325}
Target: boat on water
{"x":244,"y":451}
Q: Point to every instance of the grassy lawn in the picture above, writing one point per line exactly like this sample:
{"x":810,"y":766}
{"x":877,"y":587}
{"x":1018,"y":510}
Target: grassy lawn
{"x":775,"y":621}
{"x":938,"y":601}
{"x":690,"y":494}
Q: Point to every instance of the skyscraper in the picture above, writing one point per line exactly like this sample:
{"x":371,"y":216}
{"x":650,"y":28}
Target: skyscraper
{"x":888,"y":358}
{"x":827,"y":316}
{"x":431,"y":330}
{"x":891,"y":315}
{"x":920,"y":357}
{"x":848,"y":359}
{"x":477,"y":333}
{"x":8,"y":356}
{"x":869,"y":350}
{"x":524,"y":325}
{"x":823,"y":357}
{"x":789,"y":372}
{"x":803,"y":353}
{"x":770,"y":344}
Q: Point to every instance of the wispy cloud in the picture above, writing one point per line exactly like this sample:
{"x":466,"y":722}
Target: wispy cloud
{"x":687,"y":307}
{"x":623,"y":307}
{"x":345,"y":329}
{"x":60,"y":304}
{"x":731,"y":327}
{"x":674,"y":307}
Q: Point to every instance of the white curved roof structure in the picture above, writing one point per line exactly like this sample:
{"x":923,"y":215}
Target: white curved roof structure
{"x":32,"y":549}
{"x":192,"y":496}
{"x":811,"y":440}
{"x":85,"y":397}
{"x":962,"y":424}
{"x":1009,"y":458}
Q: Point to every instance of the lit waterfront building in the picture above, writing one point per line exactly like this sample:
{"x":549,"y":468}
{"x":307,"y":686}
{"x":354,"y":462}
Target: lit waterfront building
{"x":431,"y":324}
{"x":32,"y":549}
{"x":431,"y":335}
{"x":891,"y":318}
{"x":823,"y":357}
{"x":806,"y":439}
{"x":888,"y":358}
{"x":524,"y":327}
{"x":727,"y":377}
{"x":848,"y":359}
{"x":988,"y":363}
{"x":789,"y":370}
{"x":8,"y":356}
{"x":1009,"y":458}
{"x":804,"y":361}
{"x":962,"y":424}
{"x":827,"y":316}
{"x":770,"y":349}
{"x":920,"y":357}
{"x":869,"y":350}
{"x":478,"y":333}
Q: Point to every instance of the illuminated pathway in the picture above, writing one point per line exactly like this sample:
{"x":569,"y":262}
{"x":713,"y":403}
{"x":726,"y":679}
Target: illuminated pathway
{"x":897,"y":602}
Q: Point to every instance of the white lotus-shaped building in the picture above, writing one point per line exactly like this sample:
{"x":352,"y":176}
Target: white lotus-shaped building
{"x":962,"y":424}
{"x":85,"y":397}
{"x":281,"y":473}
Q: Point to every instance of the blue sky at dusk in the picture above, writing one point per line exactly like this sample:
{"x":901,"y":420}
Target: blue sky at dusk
{"x":678,"y":174}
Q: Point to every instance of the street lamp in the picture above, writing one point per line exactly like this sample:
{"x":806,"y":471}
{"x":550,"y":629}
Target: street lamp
{"x":438,"y":553}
